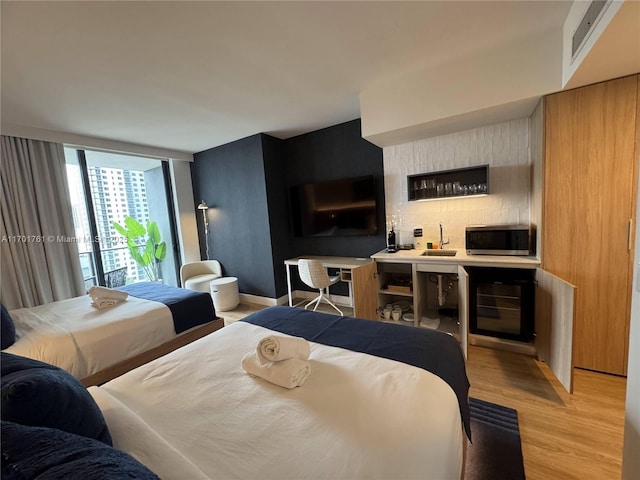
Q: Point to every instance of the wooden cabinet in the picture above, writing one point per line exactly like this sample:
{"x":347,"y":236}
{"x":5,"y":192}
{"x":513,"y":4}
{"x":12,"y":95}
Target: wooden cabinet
{"x":554,"y":307}
{"x":589,"y":193}
{"x":358,"y":273}
{"x":363,"y":281}
{"x":421,"y":301}
{"x":396,"y":285}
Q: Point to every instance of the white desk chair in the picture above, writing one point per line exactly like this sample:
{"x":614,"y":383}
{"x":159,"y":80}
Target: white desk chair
{"x":313,"y":273}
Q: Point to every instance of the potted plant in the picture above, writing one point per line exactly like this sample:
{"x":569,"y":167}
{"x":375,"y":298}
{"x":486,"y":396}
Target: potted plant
{"x":144,"y":244}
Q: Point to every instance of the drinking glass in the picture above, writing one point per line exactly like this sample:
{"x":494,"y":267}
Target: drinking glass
{"x":448,"y":189}
{"x":423,"y":188}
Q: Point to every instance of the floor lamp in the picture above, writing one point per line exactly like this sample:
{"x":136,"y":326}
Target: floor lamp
{"x":203,"y":206}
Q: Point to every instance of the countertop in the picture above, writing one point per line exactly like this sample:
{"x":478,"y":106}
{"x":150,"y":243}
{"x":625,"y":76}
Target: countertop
{"x":461,"y":258}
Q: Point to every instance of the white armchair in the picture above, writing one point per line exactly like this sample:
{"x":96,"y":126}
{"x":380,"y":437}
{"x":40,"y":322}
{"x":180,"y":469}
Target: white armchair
{"x":198,"y":275}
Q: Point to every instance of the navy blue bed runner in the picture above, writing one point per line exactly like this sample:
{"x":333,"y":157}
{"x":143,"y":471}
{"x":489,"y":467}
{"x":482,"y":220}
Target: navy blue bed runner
{"x":431,"y":350}
{"x":188,"y":308}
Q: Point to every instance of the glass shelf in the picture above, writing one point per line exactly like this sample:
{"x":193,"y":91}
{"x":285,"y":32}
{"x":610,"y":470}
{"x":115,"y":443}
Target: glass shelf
{"x":461,"y":182}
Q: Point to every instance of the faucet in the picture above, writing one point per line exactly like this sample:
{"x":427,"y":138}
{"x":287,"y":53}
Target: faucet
{"x":442,"y":242}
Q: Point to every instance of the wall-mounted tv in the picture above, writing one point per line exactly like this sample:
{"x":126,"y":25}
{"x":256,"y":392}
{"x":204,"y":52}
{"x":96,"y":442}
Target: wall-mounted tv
{"x":345,"y":207}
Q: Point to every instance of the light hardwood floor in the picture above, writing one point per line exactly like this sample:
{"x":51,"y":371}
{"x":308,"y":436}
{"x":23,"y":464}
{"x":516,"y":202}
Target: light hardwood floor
{"x":564,"y":436}
{"x":245,"y":309}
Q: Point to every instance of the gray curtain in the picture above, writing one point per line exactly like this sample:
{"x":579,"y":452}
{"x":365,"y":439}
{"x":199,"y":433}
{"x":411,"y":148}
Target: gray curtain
{"x":37,"y":265}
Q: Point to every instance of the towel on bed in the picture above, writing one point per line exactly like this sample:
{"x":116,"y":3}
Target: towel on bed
{"x":101,"y":303}
{"x":277,"y":347}
{"x":289,"y":373}
{"x":104,"y":292}
{"x":104,"y":297}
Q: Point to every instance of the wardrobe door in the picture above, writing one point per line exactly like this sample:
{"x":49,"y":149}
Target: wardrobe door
{"x":589,"y":192}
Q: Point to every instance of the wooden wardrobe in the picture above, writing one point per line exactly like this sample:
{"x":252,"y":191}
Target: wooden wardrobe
{"x":590,"y":172}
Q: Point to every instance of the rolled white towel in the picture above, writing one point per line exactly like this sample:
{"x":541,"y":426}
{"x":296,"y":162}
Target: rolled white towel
{"x":289,"y":373}
{"x":276,"y":347}
{"x":104,"y":292}
{"x":102,"y":303}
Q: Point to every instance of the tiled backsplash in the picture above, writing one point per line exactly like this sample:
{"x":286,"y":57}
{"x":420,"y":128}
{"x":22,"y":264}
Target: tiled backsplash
{"x":504,"y":147}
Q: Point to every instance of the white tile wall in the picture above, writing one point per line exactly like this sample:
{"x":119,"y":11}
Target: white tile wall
{"x":504,"y":146}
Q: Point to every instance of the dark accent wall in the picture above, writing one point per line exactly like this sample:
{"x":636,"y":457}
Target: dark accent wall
{"x":334,"y":153}
{"x":277,"y":204}
{"x":231,"y":179}
{"x":247,"y":183}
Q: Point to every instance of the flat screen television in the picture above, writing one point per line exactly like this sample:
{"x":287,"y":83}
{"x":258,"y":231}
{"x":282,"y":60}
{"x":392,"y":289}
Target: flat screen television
{"x":345,"y":207}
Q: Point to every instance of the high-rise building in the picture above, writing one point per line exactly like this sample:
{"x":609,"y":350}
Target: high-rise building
{"x":118,"y":193}
{"x":120,"y":186}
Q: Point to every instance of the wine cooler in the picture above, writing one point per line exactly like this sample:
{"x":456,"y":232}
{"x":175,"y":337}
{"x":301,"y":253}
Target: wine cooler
{"x":502,"y":302}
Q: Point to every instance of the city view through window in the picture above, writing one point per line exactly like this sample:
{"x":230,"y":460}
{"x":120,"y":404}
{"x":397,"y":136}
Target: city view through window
{"x":121,"y":186}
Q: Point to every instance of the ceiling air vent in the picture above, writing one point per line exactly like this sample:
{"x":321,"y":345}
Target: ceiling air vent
{"x":588,"y":22}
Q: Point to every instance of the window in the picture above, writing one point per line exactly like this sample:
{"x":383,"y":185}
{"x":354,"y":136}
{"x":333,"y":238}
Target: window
{"x":105,"y":249}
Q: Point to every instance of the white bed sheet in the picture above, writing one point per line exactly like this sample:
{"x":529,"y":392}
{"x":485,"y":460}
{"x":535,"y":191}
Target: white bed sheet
{"x":83,"y":340}
{"x":357,"y":416}
{"x":142,"y":442}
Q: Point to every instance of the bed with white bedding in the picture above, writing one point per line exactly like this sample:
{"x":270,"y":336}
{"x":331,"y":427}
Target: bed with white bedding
{"x":195,"y":413}
{"x":86,"y":341}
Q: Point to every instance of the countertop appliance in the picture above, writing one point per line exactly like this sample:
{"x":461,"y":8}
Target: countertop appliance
{"x":418,"y":239}
{"x":516,"y":239}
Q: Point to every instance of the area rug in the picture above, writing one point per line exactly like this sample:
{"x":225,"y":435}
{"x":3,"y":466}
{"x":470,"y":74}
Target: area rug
{"x":496,"y":452}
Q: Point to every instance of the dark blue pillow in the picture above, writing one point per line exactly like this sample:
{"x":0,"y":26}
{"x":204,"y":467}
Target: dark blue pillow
{"x":48,"y":453}
{"x":8,"y":329}
{"x":47,"y":396}
{"x":10,"y":363}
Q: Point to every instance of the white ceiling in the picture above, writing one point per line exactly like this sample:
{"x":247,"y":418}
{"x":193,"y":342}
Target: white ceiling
{"x":189,"y":76}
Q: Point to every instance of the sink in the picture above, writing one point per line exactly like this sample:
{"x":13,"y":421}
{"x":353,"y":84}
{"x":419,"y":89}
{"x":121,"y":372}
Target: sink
{"x":439,"y":253}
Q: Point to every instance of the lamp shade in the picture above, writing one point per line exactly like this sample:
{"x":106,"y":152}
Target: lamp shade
{"x":203,"y":206}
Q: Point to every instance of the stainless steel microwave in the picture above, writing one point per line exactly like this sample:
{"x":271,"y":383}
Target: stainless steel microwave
{"x":500,"y":240}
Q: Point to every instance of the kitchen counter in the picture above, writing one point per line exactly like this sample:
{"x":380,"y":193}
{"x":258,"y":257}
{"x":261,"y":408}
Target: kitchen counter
{"x":460,"y":258}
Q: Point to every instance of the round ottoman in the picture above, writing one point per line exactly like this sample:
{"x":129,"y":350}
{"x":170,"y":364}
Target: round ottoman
{"x":224,"y":292}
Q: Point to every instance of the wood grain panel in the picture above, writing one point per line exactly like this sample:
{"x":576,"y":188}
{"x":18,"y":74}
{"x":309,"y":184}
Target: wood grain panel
{"x":365,"y":291}
{"x":634,"y":215}
{"x":589,"y":189}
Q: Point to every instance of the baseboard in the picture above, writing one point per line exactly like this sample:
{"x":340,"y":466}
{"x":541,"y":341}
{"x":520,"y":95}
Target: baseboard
{"x":283,"y":300}
{"x":266,"y":301}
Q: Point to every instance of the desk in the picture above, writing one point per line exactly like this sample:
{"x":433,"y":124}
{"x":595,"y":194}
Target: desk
{"x":359,"y":273}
